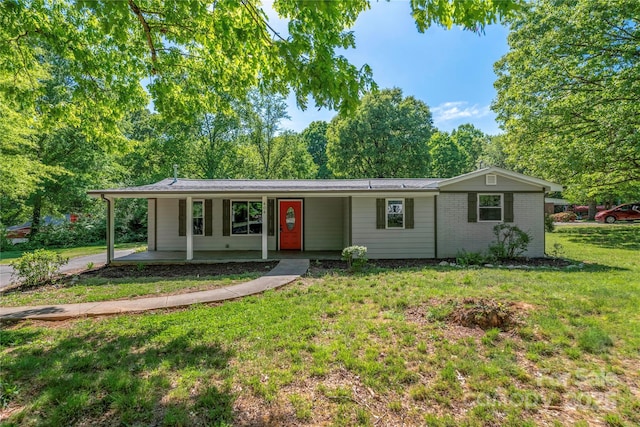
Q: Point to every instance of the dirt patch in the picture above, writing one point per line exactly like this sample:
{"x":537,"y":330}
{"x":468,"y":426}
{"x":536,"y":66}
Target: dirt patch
{"x":180,"y":270}
{"x":485,"y":314}
{"x":471,"y":313}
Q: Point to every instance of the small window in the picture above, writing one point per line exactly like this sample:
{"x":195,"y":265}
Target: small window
{"x":395,"y":213}
{"x":198,"y":217}
{"x":246,"y":218}
{"x":490,"y":207}
{"x":290,"y":218}
{"x":491,"y":179}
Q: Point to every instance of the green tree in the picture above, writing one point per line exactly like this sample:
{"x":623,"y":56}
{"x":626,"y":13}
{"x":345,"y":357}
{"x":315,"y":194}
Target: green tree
{"x":198,"y":55}
{"x":446,"y":158}
{"x":21,"y":170}
{"x":568,"y":95}
{"x":470,"y":141}
{"x":55,"y":147}
{"x":217,"y":145}
{"x":266,"y":150}
{"x":288,"y":159}
{"x":315,"y":136}
{"x":493,"y":153}
{"x":385,"y":137}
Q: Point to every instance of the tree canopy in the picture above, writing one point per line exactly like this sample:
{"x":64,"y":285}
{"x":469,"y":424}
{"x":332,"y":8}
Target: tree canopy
{"x":200,"y":54}
{"x":78,"y":75}
{"x":569,"y":98}
{"x":315,"y":136}
{"x":385,"y":137}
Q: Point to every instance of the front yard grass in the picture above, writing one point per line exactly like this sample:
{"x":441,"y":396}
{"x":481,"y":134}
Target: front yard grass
{"x":105,"y":289}
{"x":372,"y":348}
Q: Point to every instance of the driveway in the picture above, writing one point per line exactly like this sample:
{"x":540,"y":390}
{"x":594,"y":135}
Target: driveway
{"x":75,"y":264}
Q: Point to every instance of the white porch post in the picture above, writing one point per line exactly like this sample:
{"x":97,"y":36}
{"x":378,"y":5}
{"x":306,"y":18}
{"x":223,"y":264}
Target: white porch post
{"x":265,"y":226}
{"x":111,"y":230}
{"x":189,"y":228}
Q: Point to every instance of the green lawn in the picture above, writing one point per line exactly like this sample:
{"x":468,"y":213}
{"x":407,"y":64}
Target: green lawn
{"x":373,"y":348}
{"x":103,"y":289}
{"x":7,"y":256}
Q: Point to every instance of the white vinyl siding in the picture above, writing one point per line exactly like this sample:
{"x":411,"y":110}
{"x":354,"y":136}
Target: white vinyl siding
{"x":394,"y":243}
{"x":456,"y":234}
{"x":323,"y":224}
{"x":168,"y":239}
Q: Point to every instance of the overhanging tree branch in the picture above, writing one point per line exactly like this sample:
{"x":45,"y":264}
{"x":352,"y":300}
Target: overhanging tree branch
{"x":147,"y":31}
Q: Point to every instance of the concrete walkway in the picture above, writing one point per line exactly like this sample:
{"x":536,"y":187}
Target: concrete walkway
{"x":75,"y":264}
{"x":285,"y":272}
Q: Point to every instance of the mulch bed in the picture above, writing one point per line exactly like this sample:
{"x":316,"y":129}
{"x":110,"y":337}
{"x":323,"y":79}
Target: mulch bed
{"x":179,"y":270}
{"x":418,"y":263}
{"x":230,"y":268}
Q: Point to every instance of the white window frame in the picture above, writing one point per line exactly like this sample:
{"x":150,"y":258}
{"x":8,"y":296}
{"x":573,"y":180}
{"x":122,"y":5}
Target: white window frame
{"x":491,"y":207}
{"x":193,"y":231}
{"x":249,"y":222}
{"x":386,"y":212}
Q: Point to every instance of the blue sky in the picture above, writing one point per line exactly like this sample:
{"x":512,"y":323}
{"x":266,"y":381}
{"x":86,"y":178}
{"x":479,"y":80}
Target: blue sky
{"x":450,"y":70}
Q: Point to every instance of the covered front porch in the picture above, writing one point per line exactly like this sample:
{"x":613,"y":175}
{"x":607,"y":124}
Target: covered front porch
{"x":212,"y":257}
{"x":208,"y":228}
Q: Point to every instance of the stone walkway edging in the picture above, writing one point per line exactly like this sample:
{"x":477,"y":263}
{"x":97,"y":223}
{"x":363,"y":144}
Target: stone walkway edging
{"x":285,"y":272}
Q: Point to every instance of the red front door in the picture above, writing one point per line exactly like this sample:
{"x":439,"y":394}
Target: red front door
{"x":291,"y":224}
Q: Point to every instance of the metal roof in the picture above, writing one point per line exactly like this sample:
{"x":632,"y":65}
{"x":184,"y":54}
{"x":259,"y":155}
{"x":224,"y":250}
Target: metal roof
{"x":181,"y":185}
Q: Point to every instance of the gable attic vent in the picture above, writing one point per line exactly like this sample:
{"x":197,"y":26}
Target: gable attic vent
{"x":491,"y":179}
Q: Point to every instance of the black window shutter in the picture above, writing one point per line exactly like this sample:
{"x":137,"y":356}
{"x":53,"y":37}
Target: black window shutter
{"x":208,"y":217}
{"x":508,"y":207}
{"x":380,"y":214}
{"x":271,"y":214}
{"x":472,"y":207}
{"x":226,"y":217}
{"x":182,"y":217}
{"x":408,"y":213}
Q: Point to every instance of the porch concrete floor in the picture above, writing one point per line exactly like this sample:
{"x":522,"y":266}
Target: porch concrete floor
{"x":213,"y":257}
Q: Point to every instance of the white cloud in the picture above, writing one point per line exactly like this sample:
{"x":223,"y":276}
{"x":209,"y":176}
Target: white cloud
{"x":448,"y":111}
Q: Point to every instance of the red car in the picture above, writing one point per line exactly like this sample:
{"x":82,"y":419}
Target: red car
{"x":626,"y":212}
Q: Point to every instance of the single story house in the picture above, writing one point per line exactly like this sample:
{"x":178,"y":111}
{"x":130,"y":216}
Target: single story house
{"x":393,"y":218}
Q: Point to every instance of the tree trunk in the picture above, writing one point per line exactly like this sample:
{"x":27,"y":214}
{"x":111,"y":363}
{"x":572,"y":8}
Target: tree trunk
{"x":592,"y":210}
{"x":36,"y":215}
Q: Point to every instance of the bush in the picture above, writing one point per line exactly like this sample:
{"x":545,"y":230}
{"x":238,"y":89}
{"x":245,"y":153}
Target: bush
{"x":356,"y":257}
{"x":510,"y":242}
{"x":38,"y":267}
{"x":5,"y":242}
{"x":564,"y":217}
{"x":85,"y":231}
{"x":548,"y":223}
{"x":465,"y":258}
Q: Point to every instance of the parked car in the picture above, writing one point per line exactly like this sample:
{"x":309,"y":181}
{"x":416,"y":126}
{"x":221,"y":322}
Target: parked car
{"x":626,"y":212}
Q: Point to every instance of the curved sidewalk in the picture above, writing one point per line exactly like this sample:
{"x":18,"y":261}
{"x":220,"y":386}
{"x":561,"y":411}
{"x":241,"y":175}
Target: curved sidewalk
{"x":285,"y":272}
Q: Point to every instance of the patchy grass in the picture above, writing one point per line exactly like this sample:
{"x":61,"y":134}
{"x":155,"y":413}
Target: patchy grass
{"x":372,"y":348}
{"x":7,"y":256}
{"x":105,"y":289}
